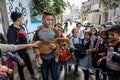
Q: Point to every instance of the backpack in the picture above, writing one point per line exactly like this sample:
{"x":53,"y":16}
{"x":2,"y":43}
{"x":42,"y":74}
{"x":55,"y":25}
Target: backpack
{"x":7,"y":61}
{"x":102,"y":48}
{"x":80,"y":49}
{"x":22,"y":37}
{"x":86,"y":46}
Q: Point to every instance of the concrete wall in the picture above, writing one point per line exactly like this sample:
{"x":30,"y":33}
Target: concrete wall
{"x":20,"y":6}
{"x":93,"y":17}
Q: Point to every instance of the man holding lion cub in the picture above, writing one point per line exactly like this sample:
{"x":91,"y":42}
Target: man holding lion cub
{"x":47,"y":55}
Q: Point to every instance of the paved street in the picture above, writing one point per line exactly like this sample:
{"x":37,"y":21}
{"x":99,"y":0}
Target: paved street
{"x":26,"y":73}
{"x":70,"y":74}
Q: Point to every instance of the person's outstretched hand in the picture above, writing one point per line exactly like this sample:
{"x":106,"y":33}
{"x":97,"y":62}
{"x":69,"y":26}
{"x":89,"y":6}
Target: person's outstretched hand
{"x":36,"y":43}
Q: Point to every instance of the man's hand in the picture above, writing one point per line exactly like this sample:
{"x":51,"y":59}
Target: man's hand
{"x":88,"y":50}
{"x":35,"y":44}
{"x":101,"y":54}
{"x":21,"y":62}
{"x":100,"y":60}
{"x":52,"y":46}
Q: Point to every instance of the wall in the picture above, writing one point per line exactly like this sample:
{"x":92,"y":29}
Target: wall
{"x":21,"y":6}
{"x":95,"y":5}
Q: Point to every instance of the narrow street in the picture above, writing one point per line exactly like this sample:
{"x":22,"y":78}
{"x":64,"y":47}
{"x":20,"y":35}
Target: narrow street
{"x":94,"y":40}
{"x":71,"y":75}
{"x":26,"y":73}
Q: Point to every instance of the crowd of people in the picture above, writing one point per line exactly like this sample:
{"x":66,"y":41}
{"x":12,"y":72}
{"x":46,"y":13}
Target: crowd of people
{"x":93,"y":51}
{"x":98,"y":51}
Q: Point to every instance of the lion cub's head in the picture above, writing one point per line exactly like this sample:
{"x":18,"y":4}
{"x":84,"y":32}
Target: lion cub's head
{"x":63,"y":42}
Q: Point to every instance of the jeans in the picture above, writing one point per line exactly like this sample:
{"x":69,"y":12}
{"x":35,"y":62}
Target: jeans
{"x":86,"y":74}
{"x":61,"y":64}
{"x":76,"y":65}
{"x":49,"y":65}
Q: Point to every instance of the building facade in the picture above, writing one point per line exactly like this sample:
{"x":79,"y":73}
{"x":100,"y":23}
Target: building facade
{"x":85,"y":10}
{"x":94,"y":11}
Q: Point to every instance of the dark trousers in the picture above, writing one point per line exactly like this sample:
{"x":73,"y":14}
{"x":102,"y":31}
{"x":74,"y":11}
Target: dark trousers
{"x":49,"y":66}
{"x":61,"y":65}
{"x":27,"y":62}
{"x":97,"y":74}
{"x":104,"y":73}
{"x":76,"y":65}
{"x":86,"y":74}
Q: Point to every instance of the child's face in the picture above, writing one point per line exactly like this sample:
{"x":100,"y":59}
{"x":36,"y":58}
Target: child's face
{"x":102,"y":28}
{"x":103,"y":35}
{"x":60,"y":33}
{"x":86,"y":36}
{"x":93,"y":31}
{"x":78,"y":26}
{"x":113,"y":36}
{"x":75,"y":33}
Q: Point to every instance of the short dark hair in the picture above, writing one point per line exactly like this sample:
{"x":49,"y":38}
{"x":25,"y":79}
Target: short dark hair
{"x":106,"y":33}
{"x":74,"y":30}
{"x":78,"y":23}
{"x":15,"y":16}
{"x":103,"y":25}
{"x":95,"y":30}
{"x":46,"y":14}
{"x":88,"y":32}
{"x":115,"y":28}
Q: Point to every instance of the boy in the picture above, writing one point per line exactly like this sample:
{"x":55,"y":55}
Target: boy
{"x":47,"y":33}
{"x":114,"y":48}
{"x":16,"y":35}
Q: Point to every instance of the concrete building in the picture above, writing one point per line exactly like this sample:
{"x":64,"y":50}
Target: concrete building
{"x":114,"y":14}
{"x":117,"y":12}
{"x":97,"y":15}
{"x":95,"y":12}
{"x":85,"y":10}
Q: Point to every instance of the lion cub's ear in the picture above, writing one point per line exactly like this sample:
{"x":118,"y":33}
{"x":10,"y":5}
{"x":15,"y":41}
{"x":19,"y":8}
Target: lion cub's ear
{"x":68,"y":41}
{"x":58,"y":40}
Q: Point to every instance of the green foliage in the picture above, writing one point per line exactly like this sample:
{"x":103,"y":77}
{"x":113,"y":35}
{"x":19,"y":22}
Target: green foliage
{"x":54,"y":6}
{"x":110,"y":4}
